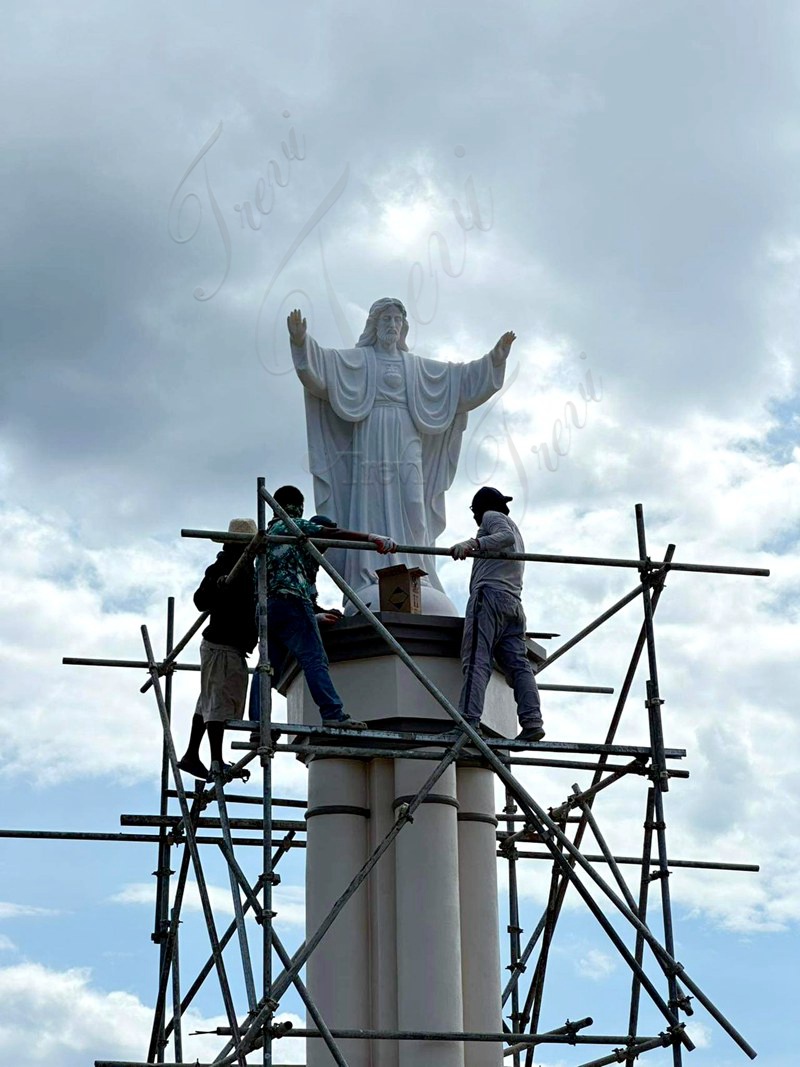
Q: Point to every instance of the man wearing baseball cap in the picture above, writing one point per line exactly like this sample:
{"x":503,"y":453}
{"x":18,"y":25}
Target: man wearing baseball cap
{"x":494,"y":627}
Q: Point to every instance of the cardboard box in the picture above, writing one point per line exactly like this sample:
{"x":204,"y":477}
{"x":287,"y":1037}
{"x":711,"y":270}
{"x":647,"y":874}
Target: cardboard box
{"x":399,"y":588}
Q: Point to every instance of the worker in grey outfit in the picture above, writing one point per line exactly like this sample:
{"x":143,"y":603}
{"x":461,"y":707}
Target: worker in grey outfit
{"x":494,"y":627}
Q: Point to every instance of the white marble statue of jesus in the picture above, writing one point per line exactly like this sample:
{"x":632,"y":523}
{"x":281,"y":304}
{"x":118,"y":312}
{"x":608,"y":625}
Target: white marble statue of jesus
{"x":384,"y":434}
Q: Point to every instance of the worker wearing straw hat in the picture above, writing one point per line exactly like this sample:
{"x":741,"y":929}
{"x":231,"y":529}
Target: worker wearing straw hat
{"x":230,"y":635}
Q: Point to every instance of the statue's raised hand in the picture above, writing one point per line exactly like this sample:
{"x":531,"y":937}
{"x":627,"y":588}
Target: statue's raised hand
{"x":503,"y":347}
{"x":297,"y":328}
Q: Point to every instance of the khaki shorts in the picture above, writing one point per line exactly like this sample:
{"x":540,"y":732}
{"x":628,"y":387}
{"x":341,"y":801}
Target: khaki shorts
{"x":223,"y":683}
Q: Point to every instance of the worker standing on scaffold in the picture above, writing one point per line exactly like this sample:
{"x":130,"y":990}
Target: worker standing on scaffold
{"x":494,"y":627}
{"x":292,"y":610}
{"x":230,"y":635}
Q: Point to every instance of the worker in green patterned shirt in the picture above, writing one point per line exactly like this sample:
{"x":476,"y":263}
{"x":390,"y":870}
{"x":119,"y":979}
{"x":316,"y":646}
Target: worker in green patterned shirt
{"x":292,"y":610}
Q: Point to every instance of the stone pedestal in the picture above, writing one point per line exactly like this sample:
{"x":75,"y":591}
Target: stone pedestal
{"x":417,"y":948}
{"x":337,"y":842}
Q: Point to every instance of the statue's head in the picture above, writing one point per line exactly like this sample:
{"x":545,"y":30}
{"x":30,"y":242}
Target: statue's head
{"x":386,"y":308}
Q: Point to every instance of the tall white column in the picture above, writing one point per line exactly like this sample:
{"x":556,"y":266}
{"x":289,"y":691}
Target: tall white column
{"x":383,"y":914}
{"x":338,"y":970}
{"x":480,"y":942}
{"x":428,"y":921}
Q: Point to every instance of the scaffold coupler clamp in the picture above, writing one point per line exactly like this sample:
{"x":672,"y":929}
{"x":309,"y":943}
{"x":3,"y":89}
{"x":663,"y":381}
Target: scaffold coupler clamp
{"x":557,"y":814}
{"x":519,"y":967}
{"x":653,"y":573}
{"x":572,"y":1031}
{"x":227,"y":774}
{"x":177,"y":835}
{"x":673,"y":1035}
{"x":657,"y":774}
{"x":402,"y":815}
{"x":508,"y":848}
{"x":279,"y":1029}
{"x":546,"y":833}
{"x":682,"y":1002}
{"x":659,"y":873}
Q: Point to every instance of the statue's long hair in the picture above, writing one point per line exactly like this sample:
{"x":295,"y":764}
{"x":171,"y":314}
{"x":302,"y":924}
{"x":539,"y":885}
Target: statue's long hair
{"x":370,"y":334}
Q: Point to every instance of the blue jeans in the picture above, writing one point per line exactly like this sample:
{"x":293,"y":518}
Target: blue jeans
{"x":292,"y":630}
{"x":494,"y":629}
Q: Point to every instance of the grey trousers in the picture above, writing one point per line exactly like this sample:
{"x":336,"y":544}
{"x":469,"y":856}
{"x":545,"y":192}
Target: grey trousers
{"x":494,"y":629}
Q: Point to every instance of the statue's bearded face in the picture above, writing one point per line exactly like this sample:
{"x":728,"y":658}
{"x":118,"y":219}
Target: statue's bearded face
{"x":390,"y":326}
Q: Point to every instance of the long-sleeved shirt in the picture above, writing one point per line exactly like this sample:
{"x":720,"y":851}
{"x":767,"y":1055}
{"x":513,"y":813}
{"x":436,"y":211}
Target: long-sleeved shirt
{"x":496,"y":533}
{"x":233,"y":606}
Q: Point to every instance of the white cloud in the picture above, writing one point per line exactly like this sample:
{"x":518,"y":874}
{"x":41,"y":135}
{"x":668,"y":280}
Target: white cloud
{"x":9,"y":910}
{"x":63,"y":599}
{"x":699,"y":1032}
{"x":6,"y":944}
{"x":596,"y":965}
{"x":59,"y":1017}
{"x":288,"y":900}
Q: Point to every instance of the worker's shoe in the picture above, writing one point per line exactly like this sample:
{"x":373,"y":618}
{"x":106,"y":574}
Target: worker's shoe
{"x":530,"y":733}
{"x":345,"y":724}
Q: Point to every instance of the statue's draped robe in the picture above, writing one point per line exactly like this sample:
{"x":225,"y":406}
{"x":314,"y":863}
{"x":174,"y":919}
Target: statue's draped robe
{"x":384,"y":435}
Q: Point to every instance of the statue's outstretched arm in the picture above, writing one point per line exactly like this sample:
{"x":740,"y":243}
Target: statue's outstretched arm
{"x":501,"y":350}
{"x":297,"y":328}
{"x":306,"y":355}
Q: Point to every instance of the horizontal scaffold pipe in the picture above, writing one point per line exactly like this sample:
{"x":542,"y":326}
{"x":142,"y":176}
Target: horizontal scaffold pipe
{"x":209,"y":822}
{"x":149,"y":839}
{"x":85,"y":661}
{"x":526,"y":557}
{"x":244,"y":798}
{"x":549,"y":1037}
{"x":433,"y":754}
{"x":700,"y":865}
{"x":139,"y":664}
{"x":447,"y":738}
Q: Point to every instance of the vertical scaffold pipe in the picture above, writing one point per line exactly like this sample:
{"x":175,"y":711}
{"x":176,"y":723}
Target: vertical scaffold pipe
{"x":662,"y":784}
{"x":163,"y":871}
{"x":263,"y":679}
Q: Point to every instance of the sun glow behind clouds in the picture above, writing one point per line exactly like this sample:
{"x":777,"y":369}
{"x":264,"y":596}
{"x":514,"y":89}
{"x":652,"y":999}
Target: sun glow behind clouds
{"x":408,"y":223}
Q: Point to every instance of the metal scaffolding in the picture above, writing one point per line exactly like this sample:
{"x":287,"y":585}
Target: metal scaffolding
{"x":555,"y":834}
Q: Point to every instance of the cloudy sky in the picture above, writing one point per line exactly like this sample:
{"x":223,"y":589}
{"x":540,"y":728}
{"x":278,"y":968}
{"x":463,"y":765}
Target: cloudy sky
{"x":617,"y":183}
